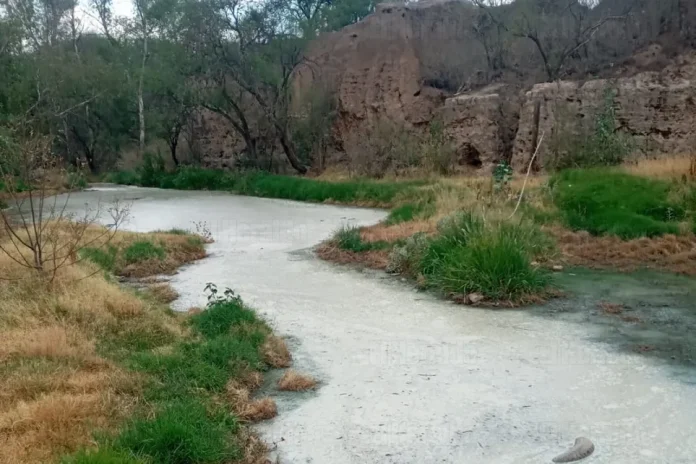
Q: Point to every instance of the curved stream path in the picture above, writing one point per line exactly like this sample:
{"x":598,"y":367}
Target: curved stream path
{"x":405,"y":377}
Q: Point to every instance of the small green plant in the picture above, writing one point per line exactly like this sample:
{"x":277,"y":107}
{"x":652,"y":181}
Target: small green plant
{"x":502,"y":173}
{"x":143,"y":250}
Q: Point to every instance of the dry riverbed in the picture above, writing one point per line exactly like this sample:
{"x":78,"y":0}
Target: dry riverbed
{"x":407,"y":378}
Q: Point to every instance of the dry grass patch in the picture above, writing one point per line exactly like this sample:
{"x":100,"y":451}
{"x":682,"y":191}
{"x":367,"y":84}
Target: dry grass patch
{"x":258,"y":410}
{"x":373,"y":259}
{"x":254,"y":450}
{"x":164,"y":293}
{"x":668,"y":167}
{"x":386,"y":233}
{"x":248,"y":409}
{"x":275,"y":352}
{"x":294,"y":381}
{"x":667,"y":253}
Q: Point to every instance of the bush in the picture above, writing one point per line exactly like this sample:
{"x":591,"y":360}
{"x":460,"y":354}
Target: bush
{"x":143,"y":250}
{"x":614,"y":203}
{"x":406,"y":259}
{"x":123,"y":178}
{"x":183,"y":433}
{"x":152,"y":171}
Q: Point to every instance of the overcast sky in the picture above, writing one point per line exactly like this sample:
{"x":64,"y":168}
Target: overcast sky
{"x":120,"y":7}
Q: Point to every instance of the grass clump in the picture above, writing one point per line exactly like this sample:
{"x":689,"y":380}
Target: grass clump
{"x":614,"y":203}
{"x":183,"y":432}
{"x":469,"y":255}
{"x":349,"y":239}
{"x":143,"y":250}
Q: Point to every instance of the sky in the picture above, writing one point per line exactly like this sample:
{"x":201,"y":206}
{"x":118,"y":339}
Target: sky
{"x":87,"y":15}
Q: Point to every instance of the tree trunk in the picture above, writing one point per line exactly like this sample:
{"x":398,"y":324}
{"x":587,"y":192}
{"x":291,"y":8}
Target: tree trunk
{"x":289,"y":150}
{"x":174,"y":142}
{"x":141,"y":104}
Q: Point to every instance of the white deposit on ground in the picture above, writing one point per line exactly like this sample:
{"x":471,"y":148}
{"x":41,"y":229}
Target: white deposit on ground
{"x":405,"y":377}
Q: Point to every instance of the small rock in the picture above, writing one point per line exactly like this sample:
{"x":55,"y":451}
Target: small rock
{"x":474,"y":298}
{"x":557,"y":268}
{"x":534,"y":263}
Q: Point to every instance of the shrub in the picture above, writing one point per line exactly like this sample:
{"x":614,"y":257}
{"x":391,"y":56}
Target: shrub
{"x":183,"y":433}
{"x":406,"y":259}
{"x":152,"y":170}
{"x":143,"y":250}
{"x":614,"y":203}
{"x":123,"y":178}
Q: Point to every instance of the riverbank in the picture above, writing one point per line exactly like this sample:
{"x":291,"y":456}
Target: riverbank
{"x":410,"y":375}
{"x":94,"y":371}
{"x":494,"y":240}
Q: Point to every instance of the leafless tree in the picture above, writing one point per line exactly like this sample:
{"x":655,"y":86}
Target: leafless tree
{"x":559,"y":29}
{"x":42,"y":235}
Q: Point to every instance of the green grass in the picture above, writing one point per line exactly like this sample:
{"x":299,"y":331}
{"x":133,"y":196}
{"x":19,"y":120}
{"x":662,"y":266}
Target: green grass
{"x":142,"y":250}
{"x":231,"y":336}
{"x":410,"y":211}
{"x":183,"y":432}
{"x":262,"y":184}
{"x":468,"y":255}
{"x":605,"y":202}
{"x":349,"y":239}
{"x":102,"y":456}
{"x":182,"y":420}
{"x":104,"y":258}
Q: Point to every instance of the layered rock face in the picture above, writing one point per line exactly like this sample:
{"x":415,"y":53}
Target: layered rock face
{"x":375,"y":70}
{"x":657,"y":109}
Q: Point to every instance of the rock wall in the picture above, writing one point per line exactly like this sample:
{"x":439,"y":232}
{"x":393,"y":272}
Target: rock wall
{"x":375,"y":70}
{"x":657,"y":109}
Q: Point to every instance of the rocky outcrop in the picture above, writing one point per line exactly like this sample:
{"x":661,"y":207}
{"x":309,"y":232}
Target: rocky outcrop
{"x":657,"y":109}
{"x":471,"y":122}
{"x":378,"y":69}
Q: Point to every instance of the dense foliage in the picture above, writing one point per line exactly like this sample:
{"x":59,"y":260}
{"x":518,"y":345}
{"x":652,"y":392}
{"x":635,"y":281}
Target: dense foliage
{"x":101,"y":84}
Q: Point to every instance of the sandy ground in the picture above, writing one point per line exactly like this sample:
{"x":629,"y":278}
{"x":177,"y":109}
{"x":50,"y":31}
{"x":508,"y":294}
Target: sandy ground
{"x":408,"y":378}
